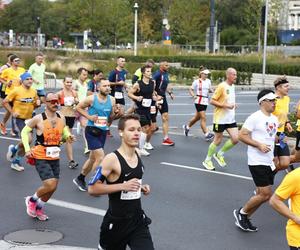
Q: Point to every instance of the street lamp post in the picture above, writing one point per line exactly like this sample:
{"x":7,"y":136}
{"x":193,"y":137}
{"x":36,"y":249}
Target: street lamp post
{"x":38,"y":40}
{"x":136,"y":6}
{"x":265,"y":43}
{"x":212,"y":27}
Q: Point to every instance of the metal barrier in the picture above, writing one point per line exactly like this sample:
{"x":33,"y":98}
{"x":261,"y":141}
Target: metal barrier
{"x":50,"y":80}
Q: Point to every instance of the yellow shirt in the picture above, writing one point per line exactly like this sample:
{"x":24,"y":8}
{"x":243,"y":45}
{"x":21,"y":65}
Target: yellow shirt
{"x":13,"y":75}
{"x":24,"y":101}
{"x":281,"y":112}
{"x":224,"y":93}
{"x":290,"y":188}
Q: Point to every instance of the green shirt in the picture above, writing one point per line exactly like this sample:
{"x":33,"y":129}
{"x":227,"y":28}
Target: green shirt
{"x":81,"y":89}
{"x":38,"y":75}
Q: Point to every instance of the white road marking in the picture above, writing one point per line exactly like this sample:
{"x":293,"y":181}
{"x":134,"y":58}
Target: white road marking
{"x":207,"y":171}
{"x":77,"y":207}
{"x":9,"y":138}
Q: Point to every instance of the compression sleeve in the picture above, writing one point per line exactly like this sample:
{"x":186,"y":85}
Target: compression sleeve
{"x":25,"y":137}
{"x":66,"y":133}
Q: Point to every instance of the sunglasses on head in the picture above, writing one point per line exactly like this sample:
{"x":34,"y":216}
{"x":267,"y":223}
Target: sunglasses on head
{"x":53,"y":101}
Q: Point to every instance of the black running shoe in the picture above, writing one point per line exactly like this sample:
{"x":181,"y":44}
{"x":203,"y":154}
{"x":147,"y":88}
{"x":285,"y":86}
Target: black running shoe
{"x":80,"y":184}
{"x":241,"y":220}
{"x":251,"y":228}
{"x":73,"y":164}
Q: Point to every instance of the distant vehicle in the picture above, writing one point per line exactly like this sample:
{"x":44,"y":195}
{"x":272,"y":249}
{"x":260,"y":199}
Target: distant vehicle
{"x":128,"y":46}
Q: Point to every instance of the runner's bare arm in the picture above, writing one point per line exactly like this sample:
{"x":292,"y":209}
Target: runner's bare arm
{"x":81,"y":107}
{"x":131,"y":93}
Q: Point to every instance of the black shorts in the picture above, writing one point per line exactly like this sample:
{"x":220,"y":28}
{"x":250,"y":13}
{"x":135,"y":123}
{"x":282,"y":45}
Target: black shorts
{"x":219,"y":128}
{"x":70,"y":121}
{"x":262,"y":175}
{"x":47,"y":169}
{"x":2,"y":94}
{"x":297,"y":140}
{"x":145,"y":117}
{"x":120,"y":101}
{"x":200,"y":107}
{"x":116,"y":233}
{"x":164,"y":107}
{"x":278,"y":151}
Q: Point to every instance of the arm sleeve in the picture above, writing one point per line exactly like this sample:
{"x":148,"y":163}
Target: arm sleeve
{"x":25,"y":137}
{"x":66,"y":133}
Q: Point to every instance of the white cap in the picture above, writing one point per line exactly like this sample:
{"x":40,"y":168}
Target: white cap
{"x":269,"y":96}
{"x":206,"y":71}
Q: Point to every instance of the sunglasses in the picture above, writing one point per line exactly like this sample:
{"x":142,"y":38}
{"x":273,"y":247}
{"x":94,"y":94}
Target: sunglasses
{"x":53,"y":102}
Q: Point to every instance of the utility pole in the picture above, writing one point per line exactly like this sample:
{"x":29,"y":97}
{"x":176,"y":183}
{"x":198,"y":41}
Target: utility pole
{"x":265,"y":44}
{"x":211,"y":27}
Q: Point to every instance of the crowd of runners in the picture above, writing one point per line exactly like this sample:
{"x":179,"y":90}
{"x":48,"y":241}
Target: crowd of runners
{"x":45,"y":120}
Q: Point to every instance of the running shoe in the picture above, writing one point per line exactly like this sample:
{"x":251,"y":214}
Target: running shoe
{"x":209,"y":136}
{"x":30,"y":207}
{"x":185,"y":130}
{"x":168,"y":142}
{"x":208,"y":164}
{"x":241,"y":220}
{"x":148,"y":146}
{"x":251,"y":227}
{"x":11,"y":152}
{"x":144,"y":152}
{"x":16,"y":165}
{"x":86,"y":151}
{"x":220,"y":160}
{"x":40,"y":215}
{"x":73,"y":164}
{"x":3,"y":129}
{"x":80,"y":184}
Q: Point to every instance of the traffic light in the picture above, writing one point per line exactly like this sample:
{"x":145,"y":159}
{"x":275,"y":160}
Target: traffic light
{"x":263,"y":15}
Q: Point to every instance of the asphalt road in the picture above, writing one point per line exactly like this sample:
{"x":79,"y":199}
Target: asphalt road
{"x":190,"y":207}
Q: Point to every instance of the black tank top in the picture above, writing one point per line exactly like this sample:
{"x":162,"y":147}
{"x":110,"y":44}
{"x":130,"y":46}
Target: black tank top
{"x":146,"y":91}
{"x":119,"y":207}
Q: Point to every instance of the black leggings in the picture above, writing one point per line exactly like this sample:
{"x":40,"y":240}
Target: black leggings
{"x":294,"y":248}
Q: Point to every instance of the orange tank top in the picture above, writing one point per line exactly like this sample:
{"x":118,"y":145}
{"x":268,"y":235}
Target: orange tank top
{"x":48,"y":143}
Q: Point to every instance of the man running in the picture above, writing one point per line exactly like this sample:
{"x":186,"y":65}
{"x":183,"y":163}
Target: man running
{"x":37,"y":71}
{"x":51,"y":130}
{"x":24,"y":100}
{"x":142,"y":93}
{"x":161,"y":78}
{"x":120,"y":176}
{"x":281,"y":151}
{"x":200,"y":90}
{"x":259,"y":133}
{"x":224,"y":119}
{"x":289,"y":189}
{"x":98,"y":109}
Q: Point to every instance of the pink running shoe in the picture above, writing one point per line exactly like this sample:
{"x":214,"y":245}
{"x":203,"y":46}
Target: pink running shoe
{"x":30,"y":207}
{"x":40,"y":214}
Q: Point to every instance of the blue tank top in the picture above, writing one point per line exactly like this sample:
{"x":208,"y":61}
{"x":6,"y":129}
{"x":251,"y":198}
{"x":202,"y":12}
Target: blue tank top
{"x":103,"y":110}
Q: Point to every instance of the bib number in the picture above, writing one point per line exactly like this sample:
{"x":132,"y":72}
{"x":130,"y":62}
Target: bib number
{"x":69,"y":101}
{"x":101,"y":122}
{"x":127,"y":195}
{"x":119,"y":95}
{"x":153,"y":110}
{"x":146,"y":103}
{"x":52,"y":152}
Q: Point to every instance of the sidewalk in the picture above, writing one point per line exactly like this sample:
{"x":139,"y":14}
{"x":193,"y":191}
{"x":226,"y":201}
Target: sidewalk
{"x":6,"y":246}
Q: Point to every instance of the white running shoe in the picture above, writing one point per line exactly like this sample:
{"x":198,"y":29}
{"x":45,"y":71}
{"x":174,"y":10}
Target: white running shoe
{"x":148,"y":146}
{"x":144,"y":152}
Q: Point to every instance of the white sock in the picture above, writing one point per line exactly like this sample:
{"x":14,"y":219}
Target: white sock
{"x":142,"y":140}
{"x":35,"y":197}
{"x":41,"y":204}
{"x":242,"y":211}
{"x":166,"y":137}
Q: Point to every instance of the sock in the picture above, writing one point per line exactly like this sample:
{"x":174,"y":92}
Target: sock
{"x":228,"y":145}
{"x":40,"y":204}
{"x":81,"y":177}
{"x":206,"y":134}
{"x":242,"y":211}
{"x":211,"y":150}
{"x":166,"y":137}
{"x":142,"y":140}
{"x":187,"y":126}
{"x":34,"y":198}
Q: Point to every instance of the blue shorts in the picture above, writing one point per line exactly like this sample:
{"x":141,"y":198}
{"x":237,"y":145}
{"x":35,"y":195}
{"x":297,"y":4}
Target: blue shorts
{"x":95,"y":137}
{"x":41,"y":92}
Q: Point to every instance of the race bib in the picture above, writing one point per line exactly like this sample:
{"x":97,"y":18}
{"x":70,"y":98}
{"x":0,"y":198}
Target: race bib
{"x":201,"y":100}
{"x":146,"y":103}
{"x":153,"y":110}
{"x":69,"y":101}
{"x":101,"y":122}
{"x":127,"y":195}
{"x":118,"y":95}
{"x":52,"y":152}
